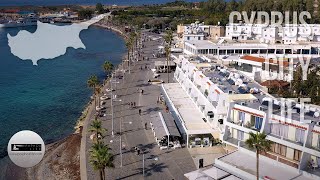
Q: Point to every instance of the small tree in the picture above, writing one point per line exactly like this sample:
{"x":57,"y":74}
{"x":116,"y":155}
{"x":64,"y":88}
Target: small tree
{"x":100,"y":8}
{"x":93,"y":83}
{"x":107,"y":67}
{"x":168,"y":39}
{"x":259,"y":143}
{"x":101,"y":158}
{"x":97,"y":129}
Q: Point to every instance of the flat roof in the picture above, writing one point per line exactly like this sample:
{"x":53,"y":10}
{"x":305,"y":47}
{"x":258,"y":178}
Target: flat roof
{"x":213,"y":173}
{"x":191,"y":116}
{"x":164,"y":63}
{"x":273,"y":169}
{"x":206,"y":44}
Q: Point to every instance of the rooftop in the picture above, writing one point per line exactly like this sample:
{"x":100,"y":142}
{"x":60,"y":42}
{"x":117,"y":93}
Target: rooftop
{"x":246,"y":164}
{"x":206,"y":44}
{"x":213,"y":173}
{"x":237,"y":85}
{"x":191,"y":116}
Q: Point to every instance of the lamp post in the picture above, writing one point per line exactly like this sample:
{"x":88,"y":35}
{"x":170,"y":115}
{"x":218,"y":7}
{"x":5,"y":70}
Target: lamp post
{"x":113,"y":99}
{"x":143,"y":163}
{"x":120,"y":138}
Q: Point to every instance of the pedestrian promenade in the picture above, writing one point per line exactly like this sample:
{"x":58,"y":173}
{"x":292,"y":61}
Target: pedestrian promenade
{"x":159,"y":164}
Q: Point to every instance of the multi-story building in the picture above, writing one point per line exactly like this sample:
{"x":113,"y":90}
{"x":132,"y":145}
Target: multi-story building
{"x":233,"y":105}
{"x":255,"y":49}
{"x":198,"y":32}
{"x":271,"y":34}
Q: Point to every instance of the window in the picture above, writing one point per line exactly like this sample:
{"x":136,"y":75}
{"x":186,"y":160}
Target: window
{"x":297,"y":155}
{"x":279,"y":149}
{"x":188,"y":38}
{"x":198,"y":38}
{"x":241,"y":116}
{"x":282,"y":150}
{"x":279,"y":129}
{"x":300,"y":135}
{"x":258,"y":122}
{"x":240,"y":135}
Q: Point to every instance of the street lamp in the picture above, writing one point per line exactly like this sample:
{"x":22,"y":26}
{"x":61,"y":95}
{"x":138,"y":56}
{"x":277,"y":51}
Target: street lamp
{"x":120,"y":138}
{"x":113,"y":99}
{"x":143,"y":160}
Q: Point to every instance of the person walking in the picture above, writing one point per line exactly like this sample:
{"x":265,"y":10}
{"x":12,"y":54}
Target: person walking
{"x":146,"y":126}
{"x":134,"y":104}
{"x":140,"y":112}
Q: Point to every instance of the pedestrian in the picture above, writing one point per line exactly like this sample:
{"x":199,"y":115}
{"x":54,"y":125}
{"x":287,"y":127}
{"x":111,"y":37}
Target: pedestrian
{"x":146,"y":126}
{"x":131,"y":104}
{"x":141,"y":91}
{"x":134,"y":104}
{"x":145,"y":67}
{"x":138,"y":151}
{"x":140,"y":112}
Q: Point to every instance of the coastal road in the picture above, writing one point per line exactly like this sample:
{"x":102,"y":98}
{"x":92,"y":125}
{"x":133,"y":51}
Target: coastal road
{"x":159,"y":164}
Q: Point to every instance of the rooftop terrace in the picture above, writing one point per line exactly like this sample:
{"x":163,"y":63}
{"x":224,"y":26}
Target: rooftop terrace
{"x":190,"y":114}
{"x":246,"y":165}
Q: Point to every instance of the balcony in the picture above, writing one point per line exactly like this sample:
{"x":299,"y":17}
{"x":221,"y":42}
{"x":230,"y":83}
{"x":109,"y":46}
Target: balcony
{"x":286,"y":139}
{"x":312,"y":170}
{"x":234,"y":141}
{"x":247,"y":125}
{"x":313,"y":147}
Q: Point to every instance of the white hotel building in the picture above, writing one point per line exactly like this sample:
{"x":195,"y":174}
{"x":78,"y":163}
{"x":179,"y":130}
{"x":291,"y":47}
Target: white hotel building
{"x":255,"y":49}
{"x":212,"y":101}
{"x":288,"y":34}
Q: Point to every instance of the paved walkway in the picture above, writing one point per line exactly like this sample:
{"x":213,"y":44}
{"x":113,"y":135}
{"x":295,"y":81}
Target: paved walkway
{"x":159,"y":164}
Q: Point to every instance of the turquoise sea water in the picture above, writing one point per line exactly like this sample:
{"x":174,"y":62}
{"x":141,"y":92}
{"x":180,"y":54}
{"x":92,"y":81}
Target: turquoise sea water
{"x":50,"y":97}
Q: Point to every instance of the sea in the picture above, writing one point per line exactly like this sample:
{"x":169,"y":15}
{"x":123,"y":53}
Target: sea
{"x":50,"y":97}
{"x":85,"y":2}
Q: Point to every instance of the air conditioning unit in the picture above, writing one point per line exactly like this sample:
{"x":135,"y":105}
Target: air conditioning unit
{"x":210,"y":114}
{"x":243,"y":103}
{"x":220,"y":121}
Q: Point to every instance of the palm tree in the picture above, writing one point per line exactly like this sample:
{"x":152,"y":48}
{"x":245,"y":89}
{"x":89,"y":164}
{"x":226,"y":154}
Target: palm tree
{"x":259,"y":143}
{"x":101,"y":158}
{"x":168,"y":40}
{"x":129,"y":46}
{"x":132,"y":39}
{"x":107,"y":67}
{"x":93,"y":82}
{"x":96,"y":127}
{"x":97,"y":91}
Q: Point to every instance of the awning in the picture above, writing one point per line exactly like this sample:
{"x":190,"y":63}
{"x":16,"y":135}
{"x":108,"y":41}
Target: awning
{"x":158,"y":126}
{"x":163,"y":126}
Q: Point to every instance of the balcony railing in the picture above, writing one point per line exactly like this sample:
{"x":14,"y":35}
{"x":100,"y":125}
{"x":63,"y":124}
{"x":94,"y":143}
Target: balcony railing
{"x":286,"y":139}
